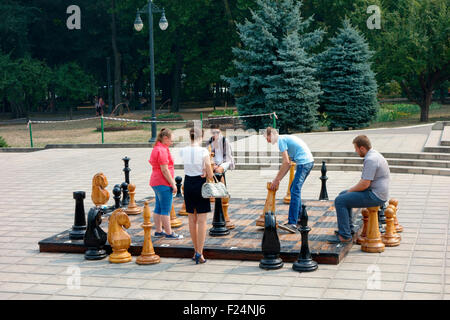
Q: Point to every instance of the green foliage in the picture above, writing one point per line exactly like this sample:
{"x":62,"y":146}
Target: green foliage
{"x":224,"y":113}
{"x":348,"y":83}
{"x":3,"y":143}
{"x":393,"y":112}
{"x":72,"y":84}
{"x":275,"y":52}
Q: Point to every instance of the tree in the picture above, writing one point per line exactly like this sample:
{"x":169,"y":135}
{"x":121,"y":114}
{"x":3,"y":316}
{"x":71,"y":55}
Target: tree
{"x":348,"y":83}
{"x":418,"y":54}
{"x":294,"y":92}
{"x":266,"y":68}
{"x":72,"y":84}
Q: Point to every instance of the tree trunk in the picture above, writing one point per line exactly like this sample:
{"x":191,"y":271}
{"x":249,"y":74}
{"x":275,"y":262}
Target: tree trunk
{"x":425,"y":106}
{"x":117,"y":82}
{"x":217,"y":96}
{"x":175,"y":106}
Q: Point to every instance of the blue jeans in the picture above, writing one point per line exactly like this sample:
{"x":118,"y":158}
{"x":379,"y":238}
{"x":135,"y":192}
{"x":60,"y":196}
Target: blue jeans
{"x":295,"y":205}
{"x":163,"y":200}
{"x":344,"y":203}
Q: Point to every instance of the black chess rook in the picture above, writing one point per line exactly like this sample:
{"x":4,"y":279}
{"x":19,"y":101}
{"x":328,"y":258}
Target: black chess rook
{"x":79,"y":226}
{"x":178,"y":180}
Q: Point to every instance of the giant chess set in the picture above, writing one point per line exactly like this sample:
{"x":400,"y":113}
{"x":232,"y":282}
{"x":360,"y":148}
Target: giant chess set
{"x":242,"y":229}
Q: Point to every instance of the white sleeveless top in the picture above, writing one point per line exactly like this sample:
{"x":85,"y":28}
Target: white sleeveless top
{"x":192,"y":158}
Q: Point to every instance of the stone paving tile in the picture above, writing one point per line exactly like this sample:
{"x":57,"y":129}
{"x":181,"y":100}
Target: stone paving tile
{"x":233,"y":288}
{"x":182,"y":295}
{"x":108,"y":292}
{"x":15,"y":286}
{"x":342,"y":294}
{"x":427,"y":262}
{"x":311,"y":282}
{"x":347,"y":284}
{"x":145,"y":294}
{"x":421,"y":296}
{"x":382,"y":295}
{"x":221,"y":296}
{"x":195,"y":286}
{"x":423,"y":287}
{"x":304,"y":292}
{"x":30,"y":296}
{"x":259,"y":297}
{"x":207,"y":277}
{"x":157,"y":284}
{"x":266,"y":290}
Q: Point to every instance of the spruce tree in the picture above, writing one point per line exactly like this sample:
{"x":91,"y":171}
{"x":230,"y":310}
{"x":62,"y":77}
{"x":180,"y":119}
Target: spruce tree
{"x":273,"y":65}
{"x":349,"y":87}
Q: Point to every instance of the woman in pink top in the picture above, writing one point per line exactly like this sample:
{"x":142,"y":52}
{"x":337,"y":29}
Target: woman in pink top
{"x":163,"y":183}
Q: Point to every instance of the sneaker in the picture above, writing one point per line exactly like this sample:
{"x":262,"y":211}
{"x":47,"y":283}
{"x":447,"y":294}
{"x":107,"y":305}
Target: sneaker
{"x":336,"y":232}
{"x":289,"y":227}
{"x":174,"y":236}
{"x":160,"y":234}
{"x":339,"y":240}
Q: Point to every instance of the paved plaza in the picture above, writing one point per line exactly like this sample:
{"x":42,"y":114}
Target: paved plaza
{"x":37,"y":202}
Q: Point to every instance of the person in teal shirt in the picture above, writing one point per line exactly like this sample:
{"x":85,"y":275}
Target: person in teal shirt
{"x":295,"y":149}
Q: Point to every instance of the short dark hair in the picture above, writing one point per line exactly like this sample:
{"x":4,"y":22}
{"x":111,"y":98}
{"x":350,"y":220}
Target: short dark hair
{"x":195,"y":133}
{"x":214,"y":126}
{"x":362,"y":141}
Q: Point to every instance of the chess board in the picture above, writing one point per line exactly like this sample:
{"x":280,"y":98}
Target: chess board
{"x":243,"y":242}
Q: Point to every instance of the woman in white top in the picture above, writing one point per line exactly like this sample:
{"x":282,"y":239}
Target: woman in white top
{"x":197,"y":167}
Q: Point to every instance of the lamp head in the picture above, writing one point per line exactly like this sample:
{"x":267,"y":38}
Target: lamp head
{"x":163,"y":23}
{"x":138,"y":24}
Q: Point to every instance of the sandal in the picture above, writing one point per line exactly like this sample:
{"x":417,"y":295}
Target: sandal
{"x":197,"y":258}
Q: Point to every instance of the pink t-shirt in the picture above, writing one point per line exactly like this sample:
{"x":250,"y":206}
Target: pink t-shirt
{"x":160,"y":155}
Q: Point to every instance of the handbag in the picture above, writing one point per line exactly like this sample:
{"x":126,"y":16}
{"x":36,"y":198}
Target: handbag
{"x":214,"y":190}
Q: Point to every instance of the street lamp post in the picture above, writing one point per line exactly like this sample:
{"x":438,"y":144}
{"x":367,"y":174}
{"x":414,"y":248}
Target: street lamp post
{"x":151,"y":8}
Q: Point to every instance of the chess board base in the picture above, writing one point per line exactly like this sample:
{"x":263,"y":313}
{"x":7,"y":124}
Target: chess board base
{"x":243,"y":242}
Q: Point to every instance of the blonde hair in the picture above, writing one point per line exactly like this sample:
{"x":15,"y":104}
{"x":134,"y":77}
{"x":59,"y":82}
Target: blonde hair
{"x":164,"y":132}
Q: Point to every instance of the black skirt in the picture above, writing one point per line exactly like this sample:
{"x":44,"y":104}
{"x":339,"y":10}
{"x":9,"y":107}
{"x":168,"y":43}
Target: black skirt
{"x":193,"y":195}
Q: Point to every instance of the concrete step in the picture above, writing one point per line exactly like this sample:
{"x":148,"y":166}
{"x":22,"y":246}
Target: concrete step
{"x":390,"y":155}
{"x":445,"y":138}
{"x":344,"y":167}
{"x":433,"y":143}
{"x":351,"y":160}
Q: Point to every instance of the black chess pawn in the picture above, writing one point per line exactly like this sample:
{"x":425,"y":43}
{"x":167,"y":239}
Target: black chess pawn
{"x":126,"y":169}
{"x":219,"y":228}
{"x":304,"y":263}
{"x":270,"y":244}
{"x":117,"y":193}
{"x":79,"y":226}
{"x":125,"y":194}
{"x":178,"y":180}
{"x":381,"y":218}
{"x":323,"y":190}
{"x":94,"y":237}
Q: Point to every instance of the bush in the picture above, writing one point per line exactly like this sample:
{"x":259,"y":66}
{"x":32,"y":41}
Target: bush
{"x":392,"y":112}
{"x":3,"y":143}
{"x":165,"y":116}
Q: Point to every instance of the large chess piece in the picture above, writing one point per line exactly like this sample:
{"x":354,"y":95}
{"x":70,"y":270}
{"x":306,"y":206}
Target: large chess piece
{"x":174,"y":221}
{"x":182,"y":211}
{"x":148,"y":255}
{"x":381,"y":217}
{"x":268,"y":206}
{"x":398,"y":227}
{"x":270,"y":244}
{"x":373,"y":243}
{"x":323,"y":190}
{"x":363,"y":236}
{"x":125,"y":194}
{"x":100,"y":195}
{"x":219,"y":226}
{"x":390,"y":238}
{"x":117,"y":192}
{"x":79,"y":225}
{"x":304,"y":263}
{"x":287,"y":198}
{"x":178,"y":180}
{"x":118,"y":238}
{"x":132,"y":209}
{"x":126,"y":170}
{"x":225,"y":205}
{"x":94,"y":237}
